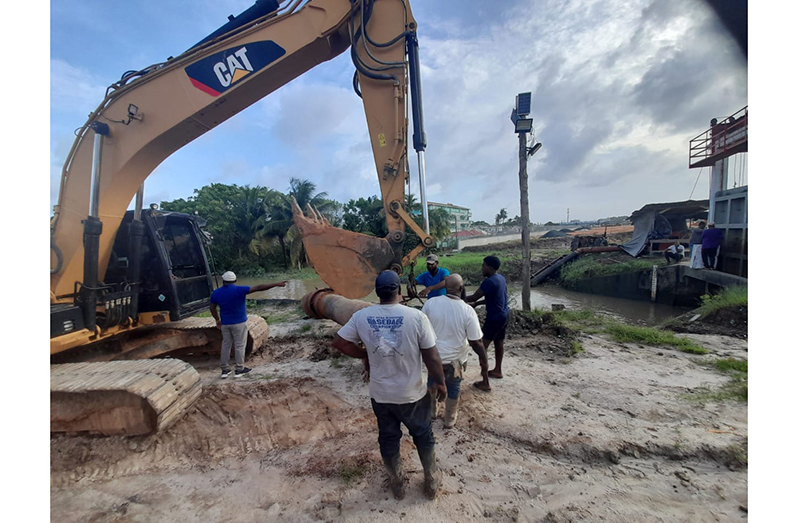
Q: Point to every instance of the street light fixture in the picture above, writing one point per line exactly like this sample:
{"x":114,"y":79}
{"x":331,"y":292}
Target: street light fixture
{"x":530,"y":151}
{"x":523,"y":125}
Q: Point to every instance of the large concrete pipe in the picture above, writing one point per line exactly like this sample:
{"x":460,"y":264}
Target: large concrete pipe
{"x":323,"y":304}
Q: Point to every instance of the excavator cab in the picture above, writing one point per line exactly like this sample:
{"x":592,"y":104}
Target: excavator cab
{"x":175,"y":275}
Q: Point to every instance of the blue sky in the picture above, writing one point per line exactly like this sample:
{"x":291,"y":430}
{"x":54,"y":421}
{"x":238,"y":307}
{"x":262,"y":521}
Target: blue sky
{"x":619,"y":88}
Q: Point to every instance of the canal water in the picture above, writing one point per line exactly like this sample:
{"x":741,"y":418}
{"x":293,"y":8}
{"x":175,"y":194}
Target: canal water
{"x":639,"y":312}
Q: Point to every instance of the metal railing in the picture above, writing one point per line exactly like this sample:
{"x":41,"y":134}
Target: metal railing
{"x":723,"y":139}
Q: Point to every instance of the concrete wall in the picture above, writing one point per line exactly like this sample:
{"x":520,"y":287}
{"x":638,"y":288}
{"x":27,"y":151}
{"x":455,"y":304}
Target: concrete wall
{"x":487,"y":240}
{"x":674,"y":287}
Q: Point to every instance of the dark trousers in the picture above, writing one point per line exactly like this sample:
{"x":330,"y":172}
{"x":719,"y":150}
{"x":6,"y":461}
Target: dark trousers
{"x":452,"y":383}
{"x":709,"y":257}
{"x":417,"y":417}
{"x":675,"y":257}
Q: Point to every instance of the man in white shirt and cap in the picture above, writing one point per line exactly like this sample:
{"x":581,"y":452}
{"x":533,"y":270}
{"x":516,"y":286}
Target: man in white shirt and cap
{"x":398,"y":340}
{"x":457,"y":327}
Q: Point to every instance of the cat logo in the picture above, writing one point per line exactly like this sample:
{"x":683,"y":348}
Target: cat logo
{"x":237,"y":64}
{"x":219,"y":72}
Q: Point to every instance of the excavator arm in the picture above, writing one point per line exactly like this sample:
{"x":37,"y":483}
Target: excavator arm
{"x":149,"y":114}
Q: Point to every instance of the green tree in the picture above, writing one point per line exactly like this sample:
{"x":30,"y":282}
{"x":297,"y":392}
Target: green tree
{"x":231,"y":212}
{"x":501,"y":217}
{"x":365,"y":215}
{"x":278,"y":223}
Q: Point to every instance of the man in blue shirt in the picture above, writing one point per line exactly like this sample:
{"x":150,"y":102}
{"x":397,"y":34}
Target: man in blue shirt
{"x":432,"y":279}
{"x":710,"y":242}
{"x":494,"y":289}
{"x":232,"y":300}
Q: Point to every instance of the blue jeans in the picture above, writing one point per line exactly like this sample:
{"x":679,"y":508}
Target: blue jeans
{"x":417,"y":417}
{"x":452,"y":383}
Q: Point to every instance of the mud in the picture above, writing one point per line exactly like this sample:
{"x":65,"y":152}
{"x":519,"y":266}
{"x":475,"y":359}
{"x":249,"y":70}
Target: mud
{"x":730,"y":321}
{"x":615,"y":433}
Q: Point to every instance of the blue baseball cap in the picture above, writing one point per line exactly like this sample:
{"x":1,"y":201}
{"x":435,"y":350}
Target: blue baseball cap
{"x":387,"y":280}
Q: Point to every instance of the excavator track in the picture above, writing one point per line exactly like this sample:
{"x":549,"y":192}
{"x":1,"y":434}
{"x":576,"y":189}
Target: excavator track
{"x":122,"y":392}
{"x":121,"y":397}
{"x":191,"y":335}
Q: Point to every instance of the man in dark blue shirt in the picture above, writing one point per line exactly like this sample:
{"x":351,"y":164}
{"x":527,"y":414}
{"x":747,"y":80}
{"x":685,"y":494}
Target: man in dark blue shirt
{"x":232,"y":300}
{"x":432,"y":279}
{"x":494,"y":289}
{"x":710,"y":242}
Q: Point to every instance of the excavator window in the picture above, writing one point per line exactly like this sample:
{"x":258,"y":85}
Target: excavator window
{"x":183,"y":249}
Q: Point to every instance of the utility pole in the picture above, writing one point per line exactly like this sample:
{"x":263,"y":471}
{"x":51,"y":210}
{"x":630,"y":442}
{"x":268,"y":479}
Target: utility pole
{"x":523,"y":182}
{"x":523,"y":125}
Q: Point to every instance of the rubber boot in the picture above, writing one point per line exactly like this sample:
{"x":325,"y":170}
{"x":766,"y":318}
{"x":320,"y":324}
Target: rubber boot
{"x":396,"y":480}
{"x":450,"y":414}
{"x":432,"y":476}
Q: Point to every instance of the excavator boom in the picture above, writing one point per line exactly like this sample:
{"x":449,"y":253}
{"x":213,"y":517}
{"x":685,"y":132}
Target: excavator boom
{"x":150,"y":114}
{"x":120,"y":280}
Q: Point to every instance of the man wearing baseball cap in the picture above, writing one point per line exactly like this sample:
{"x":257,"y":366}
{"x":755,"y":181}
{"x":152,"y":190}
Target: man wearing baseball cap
{"x":231,"y":300}
{"x":432,"y":279}
{"x":397,"y":340}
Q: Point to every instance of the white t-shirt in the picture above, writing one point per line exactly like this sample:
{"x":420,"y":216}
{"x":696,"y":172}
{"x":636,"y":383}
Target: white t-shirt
{"x":394,"y":336}
{"x":673,"y":249}
{"x":455,"y":323}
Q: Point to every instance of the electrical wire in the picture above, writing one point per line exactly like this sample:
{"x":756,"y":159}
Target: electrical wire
{"x":696,"y":183}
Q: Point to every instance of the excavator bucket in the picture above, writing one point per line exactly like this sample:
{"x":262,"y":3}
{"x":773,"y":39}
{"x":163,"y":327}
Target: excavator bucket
{"x":347,"y":261}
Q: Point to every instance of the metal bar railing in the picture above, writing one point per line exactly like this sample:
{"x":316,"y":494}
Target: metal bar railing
{"x":722,"y":136}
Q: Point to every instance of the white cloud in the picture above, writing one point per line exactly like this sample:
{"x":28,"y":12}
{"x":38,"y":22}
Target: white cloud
{"x":73,"y":90}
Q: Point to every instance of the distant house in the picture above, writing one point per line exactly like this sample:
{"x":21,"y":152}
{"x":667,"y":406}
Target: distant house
{"x":459,"y":217}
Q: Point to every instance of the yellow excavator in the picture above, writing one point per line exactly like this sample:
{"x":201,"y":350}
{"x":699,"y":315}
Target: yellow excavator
{"x":124,"y":285}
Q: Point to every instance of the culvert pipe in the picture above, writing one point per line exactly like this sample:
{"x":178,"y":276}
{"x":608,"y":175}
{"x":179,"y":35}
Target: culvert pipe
{"x":324,"y":304}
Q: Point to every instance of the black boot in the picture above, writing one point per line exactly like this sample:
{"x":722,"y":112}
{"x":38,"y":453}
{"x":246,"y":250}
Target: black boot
{"x":396,"y":480}
{"x":432,"y":476}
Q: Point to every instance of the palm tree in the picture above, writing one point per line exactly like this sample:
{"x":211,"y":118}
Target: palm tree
{"x":279,"y":222}
{"x":272,"y":225}
{"x":502,"y":216}
{"x":411,"y":204}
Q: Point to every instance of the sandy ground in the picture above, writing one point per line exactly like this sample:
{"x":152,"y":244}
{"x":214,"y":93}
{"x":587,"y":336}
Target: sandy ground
{"x":614,"y":434}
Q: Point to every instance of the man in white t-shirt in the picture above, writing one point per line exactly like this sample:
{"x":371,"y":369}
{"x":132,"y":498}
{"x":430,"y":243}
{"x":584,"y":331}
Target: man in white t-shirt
{"x":675,"y":252}
{"x":456,"y":326}
{"x":398,"y":339}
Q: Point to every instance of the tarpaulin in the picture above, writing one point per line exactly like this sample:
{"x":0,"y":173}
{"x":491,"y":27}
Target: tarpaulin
{"x":648,"y":226}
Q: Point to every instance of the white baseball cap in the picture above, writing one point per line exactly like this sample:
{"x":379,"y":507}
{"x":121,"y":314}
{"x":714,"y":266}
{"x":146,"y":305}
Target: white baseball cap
{"x":229,"y":276}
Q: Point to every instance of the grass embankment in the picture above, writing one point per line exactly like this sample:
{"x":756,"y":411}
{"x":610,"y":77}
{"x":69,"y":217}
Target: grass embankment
{"x":594,"y":323}
{"x":729,"y":297}
{"x":725,"y":312}
{"x":591,"y":267}
{"x":469,"y":264}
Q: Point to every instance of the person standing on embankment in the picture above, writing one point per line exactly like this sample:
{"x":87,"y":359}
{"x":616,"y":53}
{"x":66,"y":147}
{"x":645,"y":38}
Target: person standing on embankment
{"x":494,"y":289}
{"x":456,"y":327}
{"x":710,"y":243}
{"x":232,"y":300}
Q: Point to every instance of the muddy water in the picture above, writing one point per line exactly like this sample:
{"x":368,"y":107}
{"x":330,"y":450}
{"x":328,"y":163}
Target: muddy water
{"x":641,"y":312}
